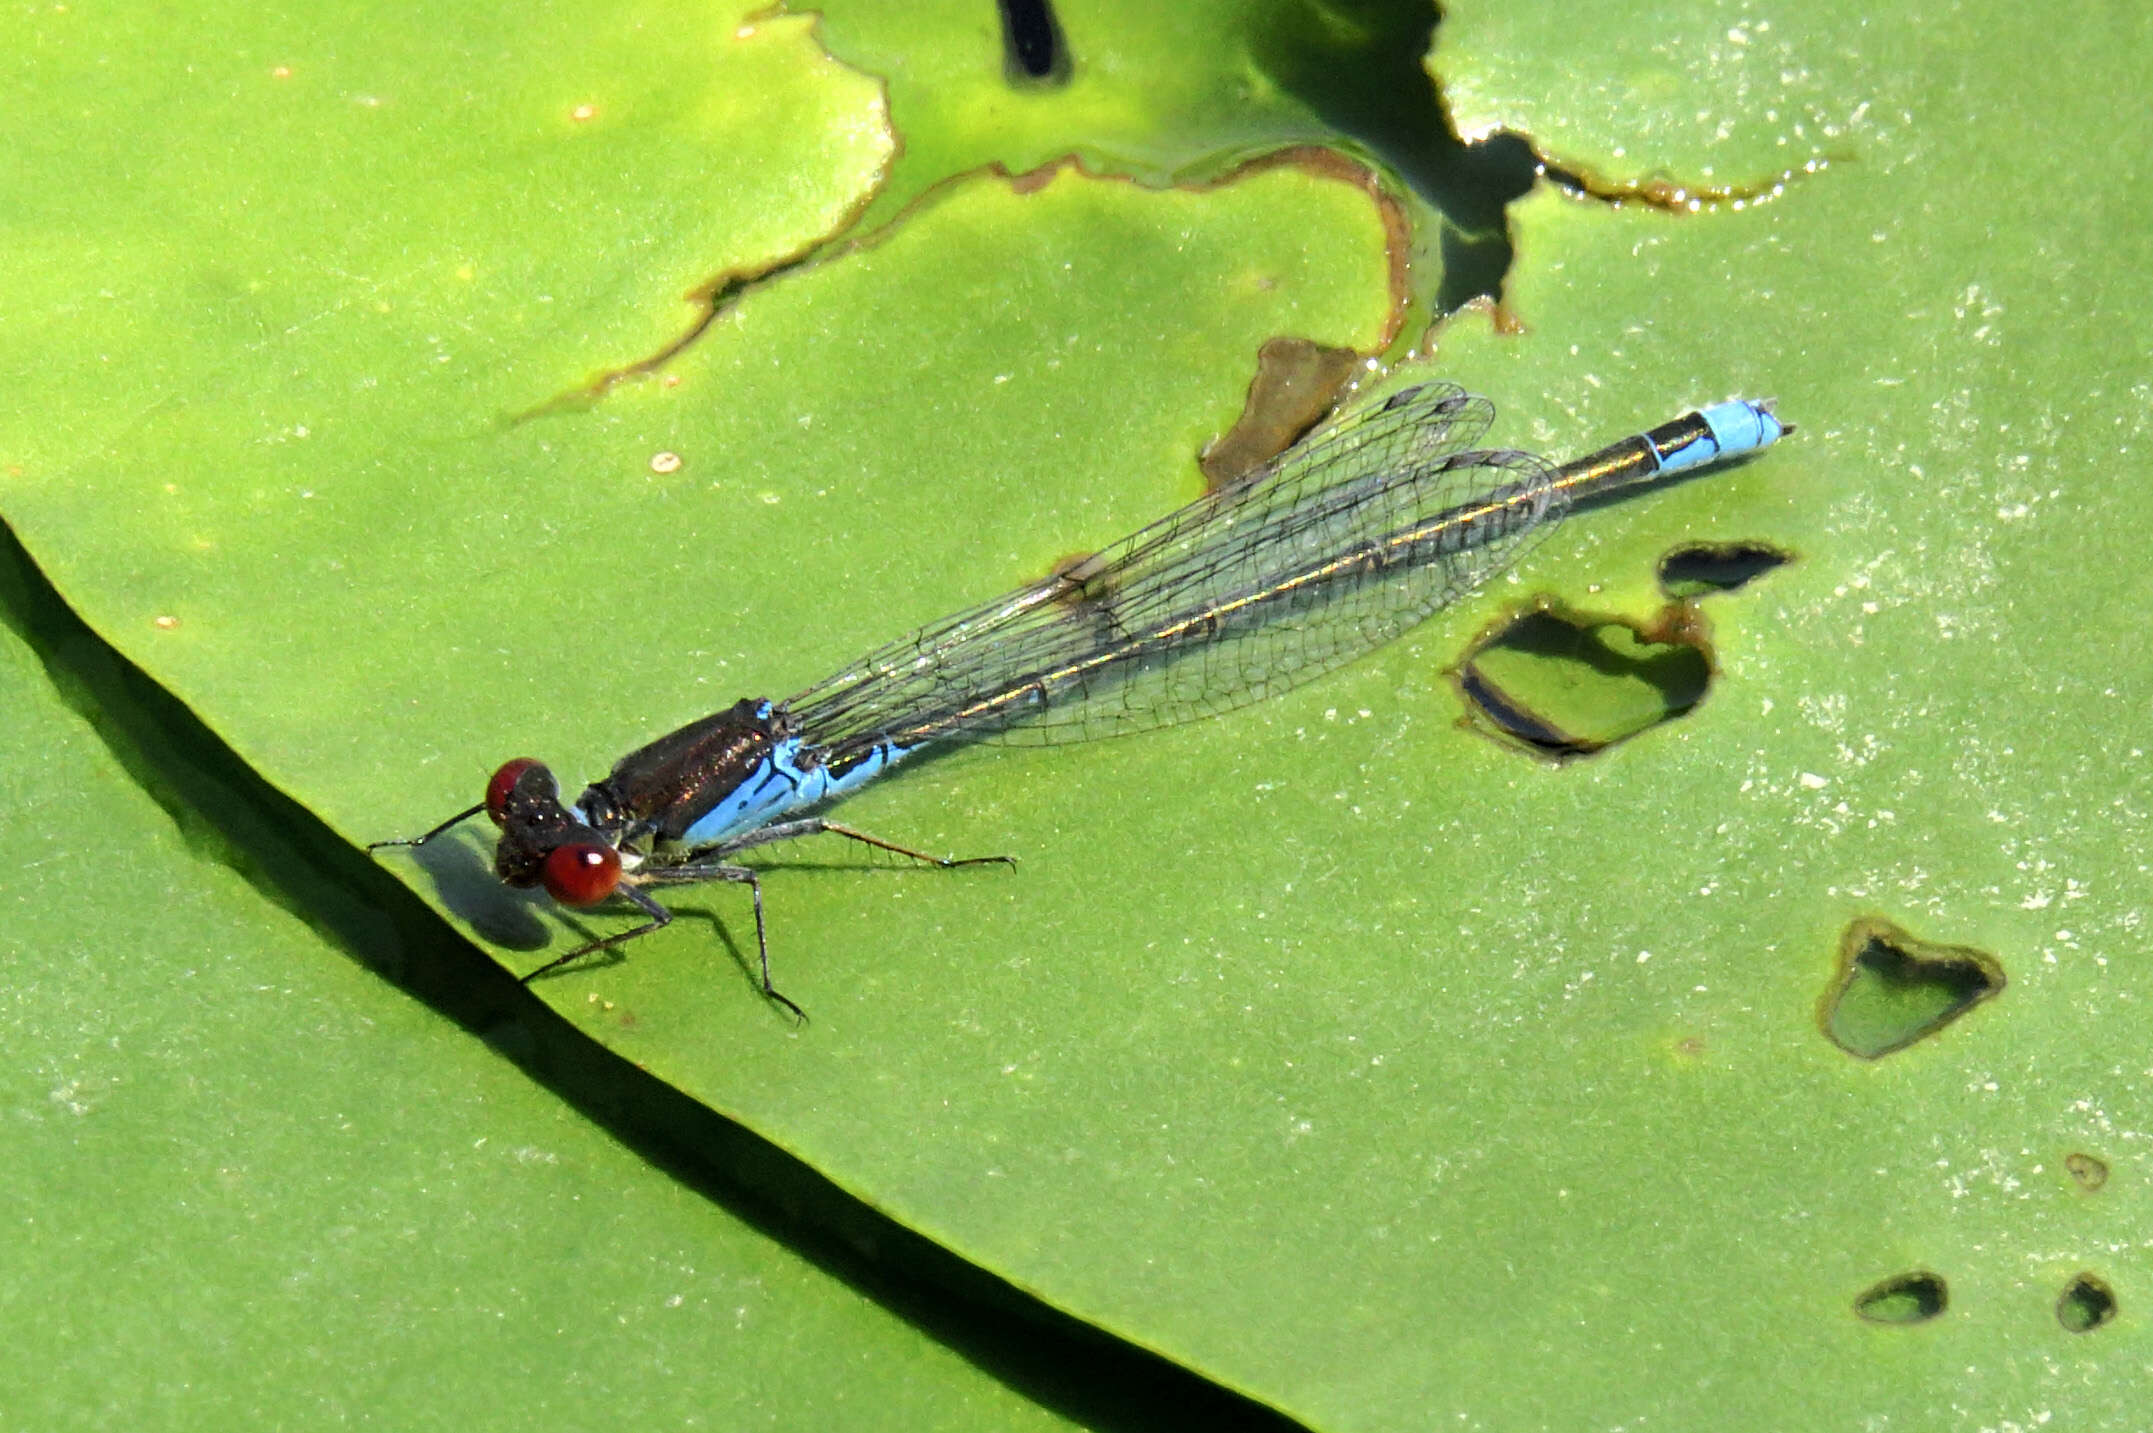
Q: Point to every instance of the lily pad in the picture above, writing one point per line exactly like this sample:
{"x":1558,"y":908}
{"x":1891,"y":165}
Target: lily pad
{"x":1341,"y":1055}
{"x":251,"y":1182}
{"x":1679,"y":104}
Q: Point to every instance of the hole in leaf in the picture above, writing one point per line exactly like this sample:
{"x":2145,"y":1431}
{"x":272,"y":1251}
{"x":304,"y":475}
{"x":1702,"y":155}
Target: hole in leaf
{"x":1903,"y":1299}
{"x":2090,"y":1172}
{"x":1033,"y":50}
{"x":2087,"y":1303}
{"x":1893,"y":989}
{"x":1700,"y":568}
{"x":1564,"y":685}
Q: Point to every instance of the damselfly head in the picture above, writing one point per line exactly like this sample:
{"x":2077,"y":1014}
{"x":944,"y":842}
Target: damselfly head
{"x":581,"y":873}
{"x":503,"y":785}
{"x":542,"y":842}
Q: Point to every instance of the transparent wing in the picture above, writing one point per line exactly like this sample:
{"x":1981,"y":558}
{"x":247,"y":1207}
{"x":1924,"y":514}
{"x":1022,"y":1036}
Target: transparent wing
{"x":1374,"y":520}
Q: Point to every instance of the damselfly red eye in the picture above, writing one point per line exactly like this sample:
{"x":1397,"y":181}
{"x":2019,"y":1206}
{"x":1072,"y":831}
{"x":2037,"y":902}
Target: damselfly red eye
{"x":504,"y":781}
{"x":581,"y":874}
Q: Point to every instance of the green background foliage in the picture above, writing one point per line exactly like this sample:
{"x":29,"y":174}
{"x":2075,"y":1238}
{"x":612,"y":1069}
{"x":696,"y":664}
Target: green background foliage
{"x":1337,"y":1055}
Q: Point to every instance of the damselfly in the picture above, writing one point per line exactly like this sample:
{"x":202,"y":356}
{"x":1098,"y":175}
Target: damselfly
{"x":1380,"y":516}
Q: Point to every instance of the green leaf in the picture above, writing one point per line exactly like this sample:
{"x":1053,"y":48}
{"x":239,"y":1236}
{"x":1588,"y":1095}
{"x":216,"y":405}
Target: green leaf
{"x":1333,"y":1050}
{"x":252,"y":1184}
{"x":1699,"y":98}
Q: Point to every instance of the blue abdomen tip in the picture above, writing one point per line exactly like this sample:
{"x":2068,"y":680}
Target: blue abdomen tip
{"x":1743,"y":426}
